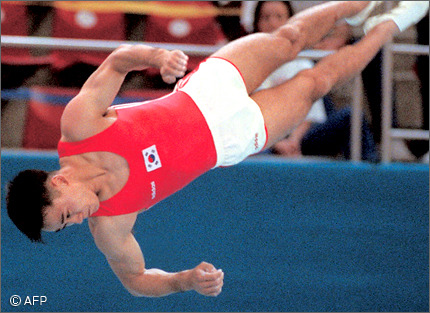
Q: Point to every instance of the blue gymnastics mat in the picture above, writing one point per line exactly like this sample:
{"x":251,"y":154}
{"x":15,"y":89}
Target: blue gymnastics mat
{"x":290,"y":236}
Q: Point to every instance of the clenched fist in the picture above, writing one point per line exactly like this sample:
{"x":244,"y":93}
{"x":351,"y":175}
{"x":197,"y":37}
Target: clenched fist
{"x":174,"y":66}
{"x":206,"y":279}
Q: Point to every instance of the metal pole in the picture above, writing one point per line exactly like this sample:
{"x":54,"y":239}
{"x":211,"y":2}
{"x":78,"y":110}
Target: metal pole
{"x":387,"y":102}
{"x":110,"y":45}
{"x":356,"y":120}
{"x":387,"y":96}
{"x":98,"y":45}
{"x":413,"y":49}
{"x":410,"y":134}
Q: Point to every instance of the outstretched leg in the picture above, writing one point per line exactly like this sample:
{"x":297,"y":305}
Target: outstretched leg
{"x":285,"y":106}
{"x":258,"y":55}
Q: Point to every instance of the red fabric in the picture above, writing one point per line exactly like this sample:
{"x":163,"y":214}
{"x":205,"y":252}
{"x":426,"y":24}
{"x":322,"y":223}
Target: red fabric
{"x":145,"y":94}
{"x":42,"y":125}
{"x":14,"y":23}
{"x":178,"y":141}
{"x":85,"y":25}
{"x":184,"y":30}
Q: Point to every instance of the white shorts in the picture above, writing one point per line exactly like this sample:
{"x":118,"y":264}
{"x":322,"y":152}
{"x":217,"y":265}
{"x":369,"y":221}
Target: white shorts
{"x":234,"y":119}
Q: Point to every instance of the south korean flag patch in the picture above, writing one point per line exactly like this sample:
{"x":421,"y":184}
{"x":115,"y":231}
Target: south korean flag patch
{"x":152,"y":160}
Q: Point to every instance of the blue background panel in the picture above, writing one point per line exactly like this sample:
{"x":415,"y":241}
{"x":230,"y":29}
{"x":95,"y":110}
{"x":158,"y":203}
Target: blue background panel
{"x":290,"y":236}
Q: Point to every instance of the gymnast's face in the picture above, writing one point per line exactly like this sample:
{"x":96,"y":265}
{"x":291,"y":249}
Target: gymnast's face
{"x":71,"y":204}
{"x":273,"y":15}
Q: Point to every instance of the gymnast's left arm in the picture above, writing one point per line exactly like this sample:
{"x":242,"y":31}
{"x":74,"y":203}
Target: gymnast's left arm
{"x":126,"y":260}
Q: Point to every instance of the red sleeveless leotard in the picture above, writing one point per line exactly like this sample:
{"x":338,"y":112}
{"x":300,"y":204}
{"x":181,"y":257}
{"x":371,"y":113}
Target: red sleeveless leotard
{"x":166,"y":143}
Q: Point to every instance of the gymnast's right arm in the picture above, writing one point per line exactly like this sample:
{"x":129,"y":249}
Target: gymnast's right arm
{"x":126,"y":260}
{"x":89,"y":107}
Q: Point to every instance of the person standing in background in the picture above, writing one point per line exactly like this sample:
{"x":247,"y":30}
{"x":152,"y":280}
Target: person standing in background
{"x":326,"y":130}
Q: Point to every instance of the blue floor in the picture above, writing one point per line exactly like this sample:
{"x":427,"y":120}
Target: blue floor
{"x":290,"y":236}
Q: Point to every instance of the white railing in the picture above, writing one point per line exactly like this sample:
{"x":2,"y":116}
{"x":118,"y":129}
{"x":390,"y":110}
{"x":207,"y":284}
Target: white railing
{"x":205,"y":50}
{"x":389,"y":133}
{"x":108,"y":45}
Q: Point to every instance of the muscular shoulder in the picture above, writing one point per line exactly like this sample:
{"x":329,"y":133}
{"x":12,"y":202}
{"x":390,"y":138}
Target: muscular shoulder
{"x":79,"y":121}
{"x":110,"y":232}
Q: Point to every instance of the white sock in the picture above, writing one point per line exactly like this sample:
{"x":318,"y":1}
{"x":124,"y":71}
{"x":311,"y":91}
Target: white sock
{"x":406,"y":14}
{"x":359,"y":18}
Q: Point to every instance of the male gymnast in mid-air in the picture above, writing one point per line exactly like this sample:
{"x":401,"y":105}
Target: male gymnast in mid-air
{"x":118,"y":161}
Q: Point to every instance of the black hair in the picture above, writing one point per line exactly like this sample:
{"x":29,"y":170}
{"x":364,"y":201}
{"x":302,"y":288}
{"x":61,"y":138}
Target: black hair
{"x":257,"y":12}
{"x":27,"y":199}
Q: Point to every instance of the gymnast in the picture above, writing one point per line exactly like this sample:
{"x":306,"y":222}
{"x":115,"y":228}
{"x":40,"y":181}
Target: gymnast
{"x":118,"y":161}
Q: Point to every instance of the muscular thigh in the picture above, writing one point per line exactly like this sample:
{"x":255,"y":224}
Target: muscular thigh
{"x":256,"y":56}
{"x":285,"y":106}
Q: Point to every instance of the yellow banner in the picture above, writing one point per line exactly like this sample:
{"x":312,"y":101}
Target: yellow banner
{"x":160,"y":8}
{"x":15,"y":2}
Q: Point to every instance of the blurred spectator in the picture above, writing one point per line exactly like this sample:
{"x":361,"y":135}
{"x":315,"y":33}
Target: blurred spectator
{"x":372,"y":75}
{"x":421,"y":147}
{"x":231,"y":24}
{"x":325,"y":131}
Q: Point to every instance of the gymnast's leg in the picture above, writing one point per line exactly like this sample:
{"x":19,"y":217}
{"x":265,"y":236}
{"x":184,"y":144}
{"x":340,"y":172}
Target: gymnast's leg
{"x":285,"y":106}
{"x":258,"y":55}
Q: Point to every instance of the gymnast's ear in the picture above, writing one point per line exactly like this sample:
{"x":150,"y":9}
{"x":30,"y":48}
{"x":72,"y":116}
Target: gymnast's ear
{"x":59,"y":180}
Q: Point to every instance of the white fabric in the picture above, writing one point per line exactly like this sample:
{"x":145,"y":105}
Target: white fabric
{"x":235,"y":120}
{"x":406,"y":14}
{"x":359,"y":18}
{"x":317,"y":114}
